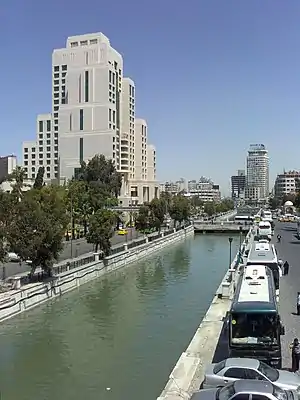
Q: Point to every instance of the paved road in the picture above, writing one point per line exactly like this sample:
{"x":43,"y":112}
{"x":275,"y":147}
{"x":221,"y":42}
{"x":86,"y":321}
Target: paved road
{"x":78,"y":248}
{"x":289,"y":249}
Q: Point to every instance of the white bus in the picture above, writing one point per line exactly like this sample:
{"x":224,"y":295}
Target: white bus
{"x":262,"y":253}
{"x":254,"y":323}
{"x":264,"y":230}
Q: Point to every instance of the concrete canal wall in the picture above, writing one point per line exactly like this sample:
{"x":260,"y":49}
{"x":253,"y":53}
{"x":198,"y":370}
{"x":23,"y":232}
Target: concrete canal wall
{"x":31,"y":295}
{"x":188,"y":372}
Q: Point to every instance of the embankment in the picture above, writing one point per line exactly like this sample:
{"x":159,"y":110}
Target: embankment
{"x":71,"y":275}
{"x":188,"y":372}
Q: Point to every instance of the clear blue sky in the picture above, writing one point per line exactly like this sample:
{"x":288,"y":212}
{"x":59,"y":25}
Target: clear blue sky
{"x":212,"y":76}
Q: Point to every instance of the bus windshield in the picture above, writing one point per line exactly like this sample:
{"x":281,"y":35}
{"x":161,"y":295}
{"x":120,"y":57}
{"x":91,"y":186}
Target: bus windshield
{"x":253,"y":329}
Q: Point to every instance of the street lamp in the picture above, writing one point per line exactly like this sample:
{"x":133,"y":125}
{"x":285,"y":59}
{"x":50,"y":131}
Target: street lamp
{"x":230,"y":244}
{"x":241,"y":233}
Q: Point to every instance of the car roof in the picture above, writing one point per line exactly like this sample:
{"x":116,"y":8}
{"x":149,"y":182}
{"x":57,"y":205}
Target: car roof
{"x":246,"y":385}
{"x":242,"y":362}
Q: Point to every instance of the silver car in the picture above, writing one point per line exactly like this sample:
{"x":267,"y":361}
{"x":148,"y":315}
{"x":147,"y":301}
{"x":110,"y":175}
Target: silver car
{"x":246,"y":390}
{"x":232,"y":369}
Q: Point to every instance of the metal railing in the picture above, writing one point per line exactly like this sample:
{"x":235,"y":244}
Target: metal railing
{"x":68,"y":265}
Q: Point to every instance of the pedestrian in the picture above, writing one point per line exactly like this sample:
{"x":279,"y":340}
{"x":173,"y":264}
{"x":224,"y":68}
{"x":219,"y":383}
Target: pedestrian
{"x":298,"y":303}
{"x":286,"y":267}
{"x":295,"y":355}
{"x":278,"y":238}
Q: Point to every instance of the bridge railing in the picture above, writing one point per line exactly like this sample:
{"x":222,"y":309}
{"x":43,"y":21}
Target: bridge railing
{"x":227,"y":286}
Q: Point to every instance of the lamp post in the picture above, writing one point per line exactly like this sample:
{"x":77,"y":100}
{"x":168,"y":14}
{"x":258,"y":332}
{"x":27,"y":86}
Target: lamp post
{"x":230,"y":244}
{"x":241,"y":232}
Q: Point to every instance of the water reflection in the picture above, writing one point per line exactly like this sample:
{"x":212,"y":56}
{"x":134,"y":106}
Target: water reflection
{"x":180,"y":262}
{"x":151,"y":275}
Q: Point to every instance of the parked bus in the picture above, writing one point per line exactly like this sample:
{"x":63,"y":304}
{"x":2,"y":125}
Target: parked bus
{"x":243,"y":218}
{"x":254,"y":323}
{"x":267,"y":216}
{"x":264,"y":230}
{"x":263,"y":253}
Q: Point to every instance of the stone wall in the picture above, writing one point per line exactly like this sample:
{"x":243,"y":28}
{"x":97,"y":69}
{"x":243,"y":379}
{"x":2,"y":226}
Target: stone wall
{"x":28,"y":296}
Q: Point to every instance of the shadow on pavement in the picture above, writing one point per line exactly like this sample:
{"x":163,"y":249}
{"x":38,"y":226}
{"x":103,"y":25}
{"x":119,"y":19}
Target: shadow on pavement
{"x":289,"y":229}
{"x":294,"y":242}
{"x":222,"y":350}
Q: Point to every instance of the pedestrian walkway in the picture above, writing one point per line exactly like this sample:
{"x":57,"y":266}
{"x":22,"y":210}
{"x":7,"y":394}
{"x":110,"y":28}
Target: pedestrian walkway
{"x":289,"y":250}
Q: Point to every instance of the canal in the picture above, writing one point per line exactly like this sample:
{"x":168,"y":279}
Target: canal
{"x":116,"y":338}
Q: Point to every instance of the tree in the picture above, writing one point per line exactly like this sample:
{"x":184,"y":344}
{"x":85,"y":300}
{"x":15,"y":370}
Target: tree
{"x":39,"y":180}
{"x":38,"y":227}
{"x":180,"y":209}
{"x":78,"y":203}
{"x":6,"y":215}
{"x":157,"y":213}
{"x":166,"y":199}
{"x":274,"y":203}
{"x":17,"y":178}
{"x":102,"y":180}
{"x":101,"y":230}
{"x":142,"y":221}
{"x":196,"y":202}
{"x":210,"y":208}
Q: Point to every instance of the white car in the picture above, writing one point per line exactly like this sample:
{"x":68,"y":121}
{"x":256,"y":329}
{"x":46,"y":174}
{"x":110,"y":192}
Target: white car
{"x":233,"y":369}
{"x":13,"y":257}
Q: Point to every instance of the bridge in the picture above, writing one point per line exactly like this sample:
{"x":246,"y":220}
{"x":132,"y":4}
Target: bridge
{"x":219,"y":227}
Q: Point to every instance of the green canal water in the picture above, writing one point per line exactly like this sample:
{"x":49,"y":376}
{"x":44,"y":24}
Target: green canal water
{"x":118,"y":337}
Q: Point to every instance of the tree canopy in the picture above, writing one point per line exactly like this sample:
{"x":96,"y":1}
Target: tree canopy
{"x":33,"y":222}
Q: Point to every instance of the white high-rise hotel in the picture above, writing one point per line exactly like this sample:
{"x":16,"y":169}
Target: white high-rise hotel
{"x":93,"y":112}
{"x":257,"y":172}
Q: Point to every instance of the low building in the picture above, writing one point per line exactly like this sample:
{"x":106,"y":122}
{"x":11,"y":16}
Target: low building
{"x":286,"y":183}
{"x":7,"y":186}
{"x":7,"y":166}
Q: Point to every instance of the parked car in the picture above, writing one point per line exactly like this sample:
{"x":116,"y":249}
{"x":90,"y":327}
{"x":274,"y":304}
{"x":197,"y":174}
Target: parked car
{"x":13,"y":257}
{"x":246,"y":390}
{"x":232,"y":369}
{"x":122,"y":232}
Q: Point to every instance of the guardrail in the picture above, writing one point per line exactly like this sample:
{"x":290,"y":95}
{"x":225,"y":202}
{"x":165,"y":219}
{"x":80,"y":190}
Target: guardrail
{"x":201,"y":222}
{"x":70,"y":264}
{"x":226,"y":288}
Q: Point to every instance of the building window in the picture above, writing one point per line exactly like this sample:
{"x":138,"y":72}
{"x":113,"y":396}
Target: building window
{"x":64,"y":67}
{"x":48,"y":125}
{"x":48,"y":176}
{"x":81,"y":119}
{"x":41,"y":128}
{"x":81,"y":150}
{"x":86,"y":87}
{"x":56,"y":68}
{"x":26,"y":150}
